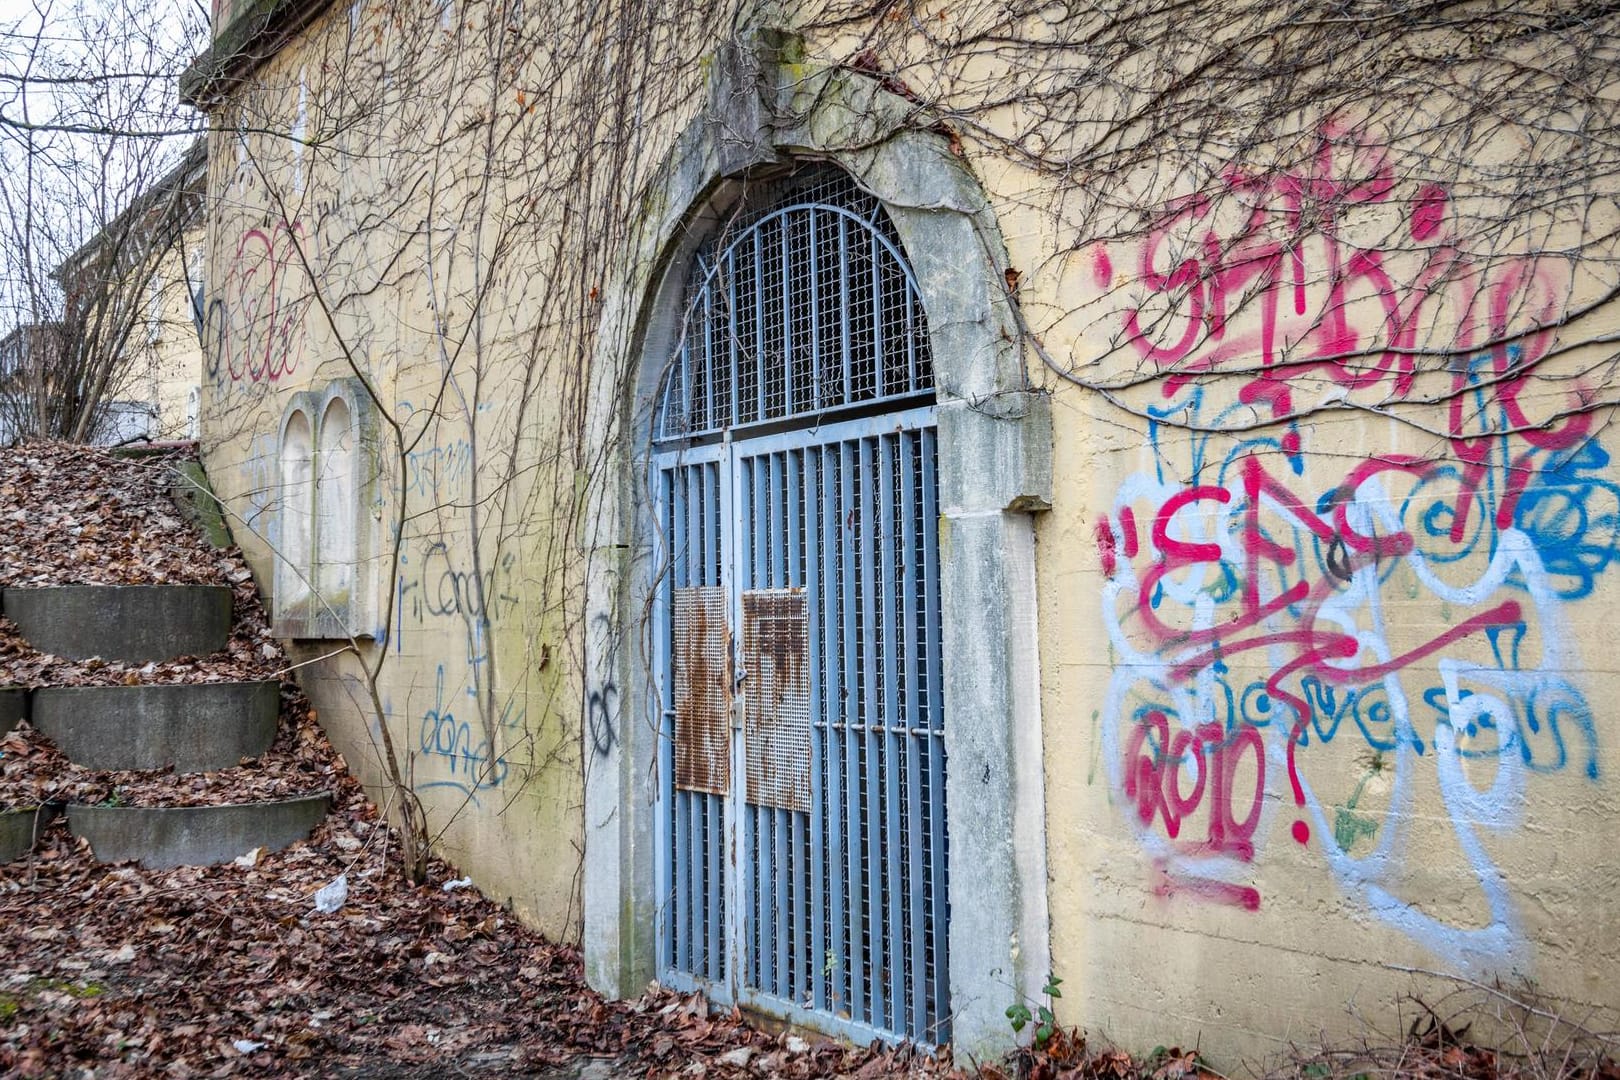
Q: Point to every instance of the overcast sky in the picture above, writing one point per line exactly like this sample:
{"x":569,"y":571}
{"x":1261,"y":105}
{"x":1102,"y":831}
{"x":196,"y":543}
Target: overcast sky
{"x":110,"y":130}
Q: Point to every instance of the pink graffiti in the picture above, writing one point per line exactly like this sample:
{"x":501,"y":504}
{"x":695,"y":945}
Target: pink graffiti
{"x":1312,"y":648}
{"x":261,"y":342}
{"x":1153,"y":781}
{"x":1327,"y":308}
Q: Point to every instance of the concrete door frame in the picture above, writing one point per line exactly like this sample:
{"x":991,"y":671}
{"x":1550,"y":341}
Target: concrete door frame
{"x":765,"y":106}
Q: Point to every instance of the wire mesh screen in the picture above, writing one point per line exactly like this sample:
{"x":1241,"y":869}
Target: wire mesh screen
{"x":702,"y":689}
{"x":802,"y":307}
{"x":776,"y":697}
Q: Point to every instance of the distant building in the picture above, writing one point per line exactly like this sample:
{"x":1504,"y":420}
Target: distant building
{"x":23,"y":352}
{"x":132,"y":295}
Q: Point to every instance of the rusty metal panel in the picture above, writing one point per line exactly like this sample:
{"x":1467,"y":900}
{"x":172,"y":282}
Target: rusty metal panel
{"x":776,"y":697}
{"x":702,"y":690}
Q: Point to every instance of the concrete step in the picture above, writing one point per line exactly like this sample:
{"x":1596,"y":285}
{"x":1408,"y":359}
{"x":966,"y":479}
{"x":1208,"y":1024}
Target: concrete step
{"x":194,"y":727}
{"x":159,"y":837}
{"x":132,"y":623}
{"x":20,"y":828}
{"x":13,"y":707}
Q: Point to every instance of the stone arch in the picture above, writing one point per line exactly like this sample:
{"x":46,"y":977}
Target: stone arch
{"x":335,"y":489}
{"x":296,"y":535}
{"x":765,"y":109}
{"x":328,"y":537}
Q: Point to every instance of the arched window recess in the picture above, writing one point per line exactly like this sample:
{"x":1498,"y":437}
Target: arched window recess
{"x":327,"y":540}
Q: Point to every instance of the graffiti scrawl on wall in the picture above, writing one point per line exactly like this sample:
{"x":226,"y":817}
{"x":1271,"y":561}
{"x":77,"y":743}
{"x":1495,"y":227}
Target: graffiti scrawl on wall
{"x":1294,"y":629}
{"x":254,"y":329}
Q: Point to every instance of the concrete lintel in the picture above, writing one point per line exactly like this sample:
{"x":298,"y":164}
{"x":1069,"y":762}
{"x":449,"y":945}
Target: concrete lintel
{"x":1003,"y":450}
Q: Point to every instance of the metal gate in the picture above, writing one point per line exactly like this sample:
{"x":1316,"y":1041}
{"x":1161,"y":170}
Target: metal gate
{"x":803,"y":863}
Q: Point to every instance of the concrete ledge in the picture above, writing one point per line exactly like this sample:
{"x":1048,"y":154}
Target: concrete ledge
{"x":193,"y":727}
{"x":192,"y":494}
{"x":18,"y":829}
{"x":159,"y":837}
{"x":13,"y":707}
{"x":134,"y":623}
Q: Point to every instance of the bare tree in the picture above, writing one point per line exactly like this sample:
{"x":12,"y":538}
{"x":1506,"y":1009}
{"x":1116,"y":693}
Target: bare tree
{"x":96,"y":189}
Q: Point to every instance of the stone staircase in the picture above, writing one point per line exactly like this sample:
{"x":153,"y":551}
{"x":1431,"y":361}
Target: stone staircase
{"x":186,"y":727}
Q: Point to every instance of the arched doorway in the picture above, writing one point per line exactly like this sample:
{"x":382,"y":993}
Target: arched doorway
{"x":802,"y":829}
{"x":985,"y":432}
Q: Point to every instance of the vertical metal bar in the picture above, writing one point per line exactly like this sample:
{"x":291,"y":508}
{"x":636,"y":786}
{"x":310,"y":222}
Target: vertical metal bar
{"x":776,"y":558}
{"x":815,"y":311}
{"x":793,"y":492}
{"x":776,"y":819}
{"x":781,"y":916}
{"x":911,"y":577}
{"x":853,"y":957}
{"x":936,"y":746}
{"x":845,"y":349}
{"x":757,"y":522}
{"x":714,"y":574}
{"x":798,"y":507}
{"x":814,"y":515}
{"x":877,"y":314}
{"x":681,"y":934}
{"x":832,"y":621}
{"x":721,"y":881}
{"x":870,"y":716}
{"x":889,"y":742}
{"x":699,"y":560}
{"x":728,"y":871}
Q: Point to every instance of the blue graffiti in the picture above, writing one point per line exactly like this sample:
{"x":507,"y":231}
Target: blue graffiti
{"x":469,"y":759}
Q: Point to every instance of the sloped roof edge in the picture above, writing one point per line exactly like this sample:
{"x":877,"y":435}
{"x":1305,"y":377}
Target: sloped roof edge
{"x":254,"y":35}
{"x":186,"y":176}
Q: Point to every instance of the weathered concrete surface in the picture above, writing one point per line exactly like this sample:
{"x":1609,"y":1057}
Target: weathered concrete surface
{"x":18,"y":829}
{"x":195,"y":498}
{"x":13,"y":707}
{"x":193,"y":727}
{"x":163,"y":836}
{"x":123,"y":622}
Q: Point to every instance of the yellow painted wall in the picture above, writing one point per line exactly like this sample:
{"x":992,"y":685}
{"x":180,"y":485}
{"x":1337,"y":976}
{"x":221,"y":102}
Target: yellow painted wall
{"x":1326,"y":585}
{"x":165,"y":348}
{"x":1324,"y":654}
{"x":383,"y":191}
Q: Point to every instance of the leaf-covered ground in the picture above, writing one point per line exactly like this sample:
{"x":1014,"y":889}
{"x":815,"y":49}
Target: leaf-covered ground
{"x":111,"y":970}
{"x":115,"y":970}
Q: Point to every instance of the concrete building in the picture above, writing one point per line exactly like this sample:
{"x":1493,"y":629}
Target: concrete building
{"x":157,"y":388}
{"x":855,"y":510}
{"x":126,"y":351}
